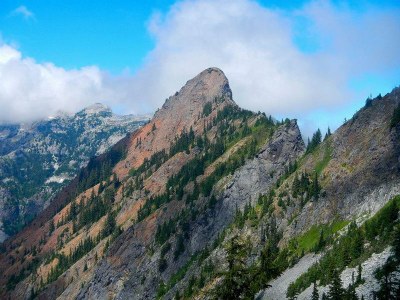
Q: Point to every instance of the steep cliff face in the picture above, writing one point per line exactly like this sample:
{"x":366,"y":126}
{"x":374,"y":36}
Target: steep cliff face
{"x":165,"y":173}
{"x":130,"y":272}
{"x":182,"y":111}
{"x":359,"y":170}
{"x":37,"y":160}
{"x":157,"y":216}
{"x":359,"y":166}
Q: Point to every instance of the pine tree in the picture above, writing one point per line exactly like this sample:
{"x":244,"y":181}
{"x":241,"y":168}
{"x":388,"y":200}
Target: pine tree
{"x":295,"y":186}
{"x":388,"y":287}
{"x":162,"y":289}
{"x":101,"y":187}
{"x":359,"y":277}
{"x":315,"y":187}
{"x":267,"y":265}
{"x":315,"y":141}
{"x":315,"y":295}
{"x":321,"y":242}
{"x":235,"y":284}
{"x":180,"y":246}
{"x":396,"y":243}
{"x":109,"y":225}
{"x":351,"y":293}
{"x":328,"y":134}
{"x":336,"y":291}
{"x":72,"y":211}
{"x":51,"y":226}
{"x":177,"y":295}
{"x":395,"y":117}
{"x":74,"y":226}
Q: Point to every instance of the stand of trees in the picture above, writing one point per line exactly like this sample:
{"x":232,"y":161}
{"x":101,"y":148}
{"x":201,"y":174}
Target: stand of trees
{"x":315,"y":141}
{"x":377,"y":231}
{"x":395,"y":120}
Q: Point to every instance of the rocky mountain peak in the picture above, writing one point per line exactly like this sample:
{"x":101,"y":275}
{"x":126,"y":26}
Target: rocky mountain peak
{"x":96,"y":108}
{"x":204,"y":174}
{"x":194,"y":106}
{"x":208,"y":85}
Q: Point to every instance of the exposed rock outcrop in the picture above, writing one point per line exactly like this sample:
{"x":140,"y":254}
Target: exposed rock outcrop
{"x":191,"y":179}
{"x":121,"y":273}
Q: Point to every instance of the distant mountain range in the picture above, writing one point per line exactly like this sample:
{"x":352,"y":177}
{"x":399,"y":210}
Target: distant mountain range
{"x":211,"y":201}
{"x":38,"y":159}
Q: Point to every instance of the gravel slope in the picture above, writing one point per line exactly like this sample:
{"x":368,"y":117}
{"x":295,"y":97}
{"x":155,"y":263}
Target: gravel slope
{"x":281,"y":284}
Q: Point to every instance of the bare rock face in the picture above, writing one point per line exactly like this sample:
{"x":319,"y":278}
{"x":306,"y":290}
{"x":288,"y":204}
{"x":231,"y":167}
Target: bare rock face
{"x":184,"y":110}
{"x":258,"y":175}
{"x":364,"y":168}
{"x":362,"y":175}
{"x":190,"y":196}
{"x":180,"y":112}
{"x":185,"y":105}
{"x":121,"y":272}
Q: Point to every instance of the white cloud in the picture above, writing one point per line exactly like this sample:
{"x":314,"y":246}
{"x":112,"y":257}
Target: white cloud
{"x":24,"y":12}
{"x":254,"y":46}
{"x":30,"y":91}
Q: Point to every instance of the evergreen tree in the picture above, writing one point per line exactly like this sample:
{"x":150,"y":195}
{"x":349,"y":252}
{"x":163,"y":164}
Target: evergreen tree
{"x":109,"y":225}
{"x":359,"y":277}
{"x":315,"y":187}
{"x":72,"y":211}
{"x":395,"y":117}
{"x":396,"y":243}
{"x":315,"y":295}
{"x":180,"y":246}
{"x":235,"y":284}
{"x":315,"y":141}
{"x":336,"y":291}
{"x":295,"y":186}
{"x":388,"y":284}
{"x":328,"y":134}
{"x":177,"y":295}
{"x":51,"y":226}
{"x":267,"y":266}
{"x":351,"y":293}
{"x":74,"y":227}
{"x":162,"y":289}
{"x":101,"y":187}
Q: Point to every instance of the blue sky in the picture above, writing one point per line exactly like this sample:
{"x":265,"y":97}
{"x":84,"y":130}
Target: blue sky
{"x":110,"y":34}
{"x":133,"y":54}
{"x":71,"y":34}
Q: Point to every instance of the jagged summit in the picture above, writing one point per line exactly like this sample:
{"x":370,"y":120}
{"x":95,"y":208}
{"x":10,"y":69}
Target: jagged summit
{"x":211,"y":81}
{"x":194,"y":106}
{"x":205,"y":87}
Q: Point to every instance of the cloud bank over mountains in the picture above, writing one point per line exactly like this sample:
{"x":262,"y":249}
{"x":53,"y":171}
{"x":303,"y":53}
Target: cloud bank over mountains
{"x":281,"y":62}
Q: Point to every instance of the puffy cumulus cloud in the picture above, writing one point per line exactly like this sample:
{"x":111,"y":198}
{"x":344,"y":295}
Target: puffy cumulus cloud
{"x":31,"y":91}
{"x":295,"y":63}
{"x":255,"y":47}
